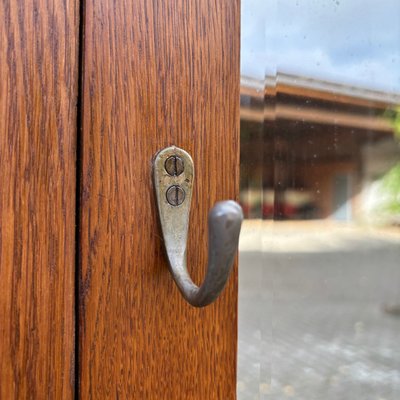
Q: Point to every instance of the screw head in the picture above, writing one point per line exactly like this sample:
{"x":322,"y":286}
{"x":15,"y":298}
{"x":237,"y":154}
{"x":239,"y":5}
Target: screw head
{"x":175,"y":195}
{"x":174,"y":165}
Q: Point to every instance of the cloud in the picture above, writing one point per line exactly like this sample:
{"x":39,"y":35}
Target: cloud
{"x":353,"y":41}
{"x":253,"y":38}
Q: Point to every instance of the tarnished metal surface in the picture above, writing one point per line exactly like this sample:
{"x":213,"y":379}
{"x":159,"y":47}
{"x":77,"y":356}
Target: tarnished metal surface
{"x":224,"y":222}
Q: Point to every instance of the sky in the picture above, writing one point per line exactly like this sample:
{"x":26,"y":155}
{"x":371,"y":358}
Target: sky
{"x":355,"y":42}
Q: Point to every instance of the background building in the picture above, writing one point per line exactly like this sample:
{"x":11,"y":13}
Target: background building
{"x":313,"y":149}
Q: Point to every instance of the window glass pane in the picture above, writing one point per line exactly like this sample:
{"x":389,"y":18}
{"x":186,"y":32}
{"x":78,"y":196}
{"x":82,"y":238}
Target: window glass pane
{"x":319,"y":275}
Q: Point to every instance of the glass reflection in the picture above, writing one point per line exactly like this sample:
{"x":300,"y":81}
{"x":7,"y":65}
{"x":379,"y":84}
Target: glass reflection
{"x":319,"y":276}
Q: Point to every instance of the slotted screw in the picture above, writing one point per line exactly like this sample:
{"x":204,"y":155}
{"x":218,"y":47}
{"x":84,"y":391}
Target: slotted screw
{"x":174,"y":165}
{"x":175,"y":195}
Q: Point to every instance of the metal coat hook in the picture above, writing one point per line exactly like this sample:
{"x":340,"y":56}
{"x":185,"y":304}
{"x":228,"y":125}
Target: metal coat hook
{"x":173,"y":175}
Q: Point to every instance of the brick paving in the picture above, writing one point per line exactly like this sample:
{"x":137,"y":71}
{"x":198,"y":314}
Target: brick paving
{"x":312,"y":320}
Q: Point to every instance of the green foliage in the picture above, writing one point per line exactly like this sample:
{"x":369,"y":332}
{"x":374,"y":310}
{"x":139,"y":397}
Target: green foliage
{"x":390,"y":186}
{"x":393,"y":115}
{"x":390,"y":182}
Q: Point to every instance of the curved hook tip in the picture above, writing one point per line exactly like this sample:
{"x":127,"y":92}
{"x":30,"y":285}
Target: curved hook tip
{"x":226,"y":215}
{"x":227,"y":208}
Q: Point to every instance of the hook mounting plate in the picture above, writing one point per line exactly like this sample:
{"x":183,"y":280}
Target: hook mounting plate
{"x":173,"y":181}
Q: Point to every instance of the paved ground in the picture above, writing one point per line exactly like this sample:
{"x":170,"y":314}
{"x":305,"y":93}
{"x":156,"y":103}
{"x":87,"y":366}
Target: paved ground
{"x":312,"y":324}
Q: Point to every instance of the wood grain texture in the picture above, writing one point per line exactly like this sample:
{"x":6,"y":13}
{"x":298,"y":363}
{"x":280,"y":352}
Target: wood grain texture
{"x":156,"y":73}
{"x":38,"y":94}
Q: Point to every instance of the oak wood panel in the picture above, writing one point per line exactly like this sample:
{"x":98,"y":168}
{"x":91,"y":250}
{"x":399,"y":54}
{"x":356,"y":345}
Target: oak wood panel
{"x":38,"y":94}
{"x":156,"y":73}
